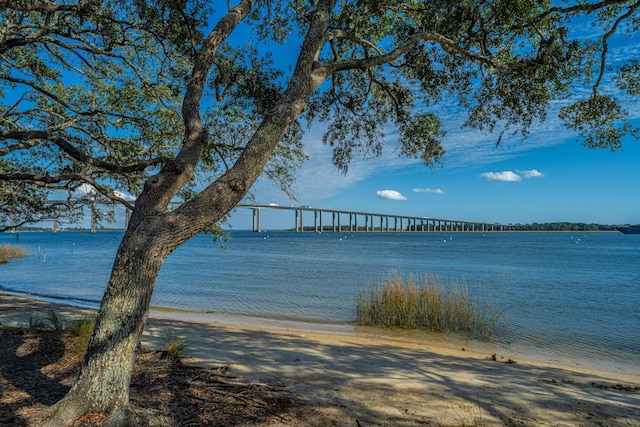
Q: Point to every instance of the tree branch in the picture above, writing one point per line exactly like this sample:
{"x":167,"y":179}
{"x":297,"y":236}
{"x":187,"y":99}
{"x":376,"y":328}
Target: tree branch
{"x":75,"y":153}
{"x":341,"y":34}
{"x":204,"y":62}
{"x":20,"y":146}
{"x":447,"y":44}
{"x":49,"y":180}
{"x":160,"y":189}
{"x":48,"y":94}
{"x":583,"y":7}
{"x":605,"y":45}
{"x":43,"y":180}
{"x":38,"y":6}
{"x":221,"y":196}
{"x":107,"y":192}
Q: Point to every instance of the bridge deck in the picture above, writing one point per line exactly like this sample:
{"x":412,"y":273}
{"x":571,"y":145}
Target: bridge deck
{"x":385,"y":223}
{"x":406,"y":223}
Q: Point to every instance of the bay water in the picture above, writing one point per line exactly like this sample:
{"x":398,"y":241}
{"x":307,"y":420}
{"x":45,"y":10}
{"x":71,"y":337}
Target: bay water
{"x":569,"y":296}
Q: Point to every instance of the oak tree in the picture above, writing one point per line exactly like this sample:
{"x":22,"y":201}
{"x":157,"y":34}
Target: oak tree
{"x":173,"y":100}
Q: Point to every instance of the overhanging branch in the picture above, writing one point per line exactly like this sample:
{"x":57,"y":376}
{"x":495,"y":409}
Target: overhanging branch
{"x":582,"y":7}
{"x":48,"y":181}
{"x":447,"y":45}
{"x":605,"y":44}
{"x":75,"y":153}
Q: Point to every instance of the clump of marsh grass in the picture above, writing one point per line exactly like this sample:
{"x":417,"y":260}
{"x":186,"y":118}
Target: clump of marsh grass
{"x":425,"y":303}
{"x":8,"y":251}
{"x":57,"y":322}
{"x":83,"y":328}
{"x":175,"y":345}
{"x":53,"y":321}
{"x":34,"y":323}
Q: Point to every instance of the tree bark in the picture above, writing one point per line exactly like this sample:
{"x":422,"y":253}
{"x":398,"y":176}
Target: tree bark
{"x":103,"y":383}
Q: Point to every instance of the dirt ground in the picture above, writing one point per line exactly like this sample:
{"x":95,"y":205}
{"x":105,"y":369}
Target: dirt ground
{"x":37,"y":369}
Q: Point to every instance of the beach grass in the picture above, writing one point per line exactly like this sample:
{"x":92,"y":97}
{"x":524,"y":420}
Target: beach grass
{"x":175,"y":345}
{"x":57,"y":322}
{"x":428,"y":303}
{"x":34,"y":323}
{"x":83,"y":327}
{"x":9,"y":251}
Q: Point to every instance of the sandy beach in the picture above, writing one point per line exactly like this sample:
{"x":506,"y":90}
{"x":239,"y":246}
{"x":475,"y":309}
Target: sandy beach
{"x":347,"y":377}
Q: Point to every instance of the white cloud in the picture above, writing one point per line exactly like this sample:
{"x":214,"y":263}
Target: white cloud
{"x":533,"y":173}
{"x":89,"y":190}
{"x":508,"y":176}
{"x":85,"y":190}
{"x":390,"y":195}
{"x":428,"y":190}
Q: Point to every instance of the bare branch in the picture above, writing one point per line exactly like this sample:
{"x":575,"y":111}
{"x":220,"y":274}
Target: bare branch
{"x":107,"y":192}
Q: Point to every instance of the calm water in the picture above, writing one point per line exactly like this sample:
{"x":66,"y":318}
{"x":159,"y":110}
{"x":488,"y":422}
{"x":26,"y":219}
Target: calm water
{"x":562,"y":295}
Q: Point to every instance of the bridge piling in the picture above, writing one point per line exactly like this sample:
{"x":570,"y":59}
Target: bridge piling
{"x":400,"y":222}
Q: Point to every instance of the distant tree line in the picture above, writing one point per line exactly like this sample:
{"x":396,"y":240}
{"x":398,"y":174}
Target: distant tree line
{"x":564,"y":226}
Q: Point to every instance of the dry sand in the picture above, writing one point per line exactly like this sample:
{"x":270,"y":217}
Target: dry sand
{"x":352,"y":378}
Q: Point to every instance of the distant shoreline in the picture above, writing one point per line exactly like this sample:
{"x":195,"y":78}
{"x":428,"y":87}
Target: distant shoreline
{"x":310,"y":231}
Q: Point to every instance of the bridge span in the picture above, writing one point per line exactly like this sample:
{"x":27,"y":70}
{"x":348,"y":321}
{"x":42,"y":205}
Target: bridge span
{"x":346,"y":220}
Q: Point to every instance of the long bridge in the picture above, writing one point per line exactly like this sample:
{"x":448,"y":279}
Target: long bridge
{"x":346,"y":220}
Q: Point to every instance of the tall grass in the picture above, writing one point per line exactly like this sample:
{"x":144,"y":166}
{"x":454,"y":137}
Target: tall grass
{"x":83,"y":327}
{"x":8,"y":251}
{"x":56,"y":321}
{"x":425,"y":303}
{"x":175,"y":345}
{"x":34,"y":323}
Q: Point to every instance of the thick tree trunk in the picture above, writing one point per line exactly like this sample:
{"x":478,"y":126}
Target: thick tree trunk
{"x":103,"y":383}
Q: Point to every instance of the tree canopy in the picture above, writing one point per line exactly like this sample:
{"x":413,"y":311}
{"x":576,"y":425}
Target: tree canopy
{"x":92,"y":91}
{"x":172,"y":99}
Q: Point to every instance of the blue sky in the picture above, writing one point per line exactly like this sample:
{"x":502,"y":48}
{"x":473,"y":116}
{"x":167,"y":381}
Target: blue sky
{"x":548,"y":177}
